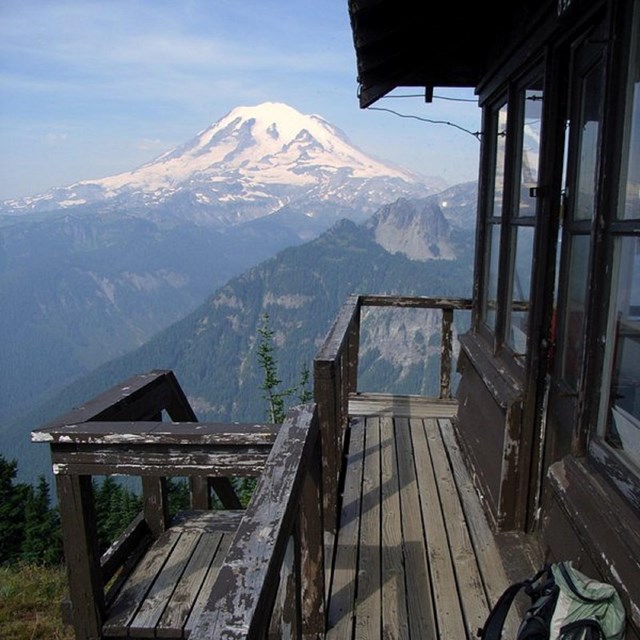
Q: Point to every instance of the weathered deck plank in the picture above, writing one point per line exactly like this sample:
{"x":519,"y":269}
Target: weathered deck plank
{"x":447,"y":602}
{"x":394,"y":610}
{"x":154,"y":604}
{"x":163,"y":590}
{"x":137,"y":586}
{"x":418,"y":580}
{"x":207,"y":585}
{"x":474,"y":602}
{"x":415,"y":557}
{"x":382,"y":404}
{"x":179,"y":606}
{"x":369,"y":607}
{"x":343,"y":587}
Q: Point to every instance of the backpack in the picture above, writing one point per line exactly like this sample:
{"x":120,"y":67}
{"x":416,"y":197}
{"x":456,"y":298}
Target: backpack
{"x":565,"y":605}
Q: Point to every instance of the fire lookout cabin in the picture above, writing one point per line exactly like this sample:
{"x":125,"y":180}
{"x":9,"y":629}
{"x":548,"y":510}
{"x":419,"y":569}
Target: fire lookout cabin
{"x":404,"y":517}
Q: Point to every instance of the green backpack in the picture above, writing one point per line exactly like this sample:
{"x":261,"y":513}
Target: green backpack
{"x":565,"y":605}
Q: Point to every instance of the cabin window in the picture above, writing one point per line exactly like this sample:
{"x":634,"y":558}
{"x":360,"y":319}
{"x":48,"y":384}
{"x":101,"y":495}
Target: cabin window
{"x":581,"y":191}
{"x":523,"y":219}
{"x":620,"y":416}
{"x":494,"y":217}
{"x":511,"y":210}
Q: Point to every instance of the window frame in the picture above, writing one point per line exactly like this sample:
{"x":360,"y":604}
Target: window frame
{"x":508,"y":219}
{"x":611,"y":464}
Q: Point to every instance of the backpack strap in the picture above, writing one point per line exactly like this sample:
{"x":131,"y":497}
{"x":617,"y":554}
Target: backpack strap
{"x":492,"y":629}
{"x":587,"y":629}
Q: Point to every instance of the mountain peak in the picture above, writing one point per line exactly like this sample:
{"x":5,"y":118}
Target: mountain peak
{"x":250,"y":163}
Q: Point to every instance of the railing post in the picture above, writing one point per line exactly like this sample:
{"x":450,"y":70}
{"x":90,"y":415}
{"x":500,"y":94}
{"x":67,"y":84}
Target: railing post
{"x":80,"y":539}
{"x":154,"y":496}
{"x":353,"y":348}
{"x":324,"y":392}
{"x":445,"y":353}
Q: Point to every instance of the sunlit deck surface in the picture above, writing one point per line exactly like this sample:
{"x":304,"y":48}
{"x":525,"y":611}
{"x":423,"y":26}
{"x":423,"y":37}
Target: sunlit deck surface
{"x":415,"y":556}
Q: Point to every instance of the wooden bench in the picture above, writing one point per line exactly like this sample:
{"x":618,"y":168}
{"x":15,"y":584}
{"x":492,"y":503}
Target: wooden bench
{"x":159,"y":578}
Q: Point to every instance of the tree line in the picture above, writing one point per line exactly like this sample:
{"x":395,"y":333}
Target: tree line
{"x":30,"y":529}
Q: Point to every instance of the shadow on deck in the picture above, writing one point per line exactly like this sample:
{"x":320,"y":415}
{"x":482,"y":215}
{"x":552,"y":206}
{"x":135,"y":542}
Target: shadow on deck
{"x":415,"y":557}
{"x":364,"y":521}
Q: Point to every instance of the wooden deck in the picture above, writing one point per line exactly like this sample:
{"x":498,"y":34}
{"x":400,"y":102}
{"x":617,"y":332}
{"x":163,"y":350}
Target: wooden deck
{"x":169,"y":588}
{"x":415,"y":557}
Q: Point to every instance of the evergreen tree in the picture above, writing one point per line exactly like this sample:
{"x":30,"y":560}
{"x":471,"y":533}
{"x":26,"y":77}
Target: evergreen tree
{"x":116,"y":507}
{"x":304,"y":393}
{"x":269,"y":365}
{"x":177,"y":495}
{"x":13,"y":497}
{"x":42,"y":541}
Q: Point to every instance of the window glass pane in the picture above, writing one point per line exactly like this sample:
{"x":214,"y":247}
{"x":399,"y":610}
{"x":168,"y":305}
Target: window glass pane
{"x":501,"y":144}
{"x":574,"y":314}
{"x":491,"y":279}
{"x":588,"y":161}
{"x":622,"y":426}
{"x":530,"y":151}
{"x":516,"y":330}
{"x":631,"y":186}
{"x":494,"y":210}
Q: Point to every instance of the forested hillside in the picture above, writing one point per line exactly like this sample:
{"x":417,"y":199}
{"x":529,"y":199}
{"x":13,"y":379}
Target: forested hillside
{"x":213,"y":349}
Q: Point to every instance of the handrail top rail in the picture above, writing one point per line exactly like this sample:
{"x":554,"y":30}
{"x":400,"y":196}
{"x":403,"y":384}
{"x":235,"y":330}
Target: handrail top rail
{"x":157,"y":432}
{"x":140,"y":397}
{"x":336,"y":338}
{"x":337,"y":335}
{"x":423,"y":302}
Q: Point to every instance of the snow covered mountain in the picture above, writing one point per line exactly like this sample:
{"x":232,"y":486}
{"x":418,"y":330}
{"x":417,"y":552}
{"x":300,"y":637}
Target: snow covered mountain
{"x":251,"y":163}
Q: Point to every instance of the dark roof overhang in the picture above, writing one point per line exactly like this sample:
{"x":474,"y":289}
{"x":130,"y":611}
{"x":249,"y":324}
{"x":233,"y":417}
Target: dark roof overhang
{"x":403,"y":43}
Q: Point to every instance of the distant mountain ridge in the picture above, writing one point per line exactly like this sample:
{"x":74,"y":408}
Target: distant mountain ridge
{"x":212,"y":350}
{"x":92,"y":270}
{"x":251,"y":163}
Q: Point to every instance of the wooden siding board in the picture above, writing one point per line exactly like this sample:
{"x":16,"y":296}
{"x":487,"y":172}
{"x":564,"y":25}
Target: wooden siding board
{"x":163,"y":433}
{"x":421,"y":302}
{"x":170,"y":462}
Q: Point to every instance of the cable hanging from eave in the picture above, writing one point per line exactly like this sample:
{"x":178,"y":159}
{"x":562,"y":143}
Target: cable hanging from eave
{"x":476,"y":134}
{"x":435,"y":97}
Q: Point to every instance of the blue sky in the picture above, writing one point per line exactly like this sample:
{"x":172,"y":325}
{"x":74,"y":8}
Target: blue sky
{"x":89,"y":89}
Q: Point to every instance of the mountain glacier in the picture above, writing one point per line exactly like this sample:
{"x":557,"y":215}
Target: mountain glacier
{"x":251,"y":163}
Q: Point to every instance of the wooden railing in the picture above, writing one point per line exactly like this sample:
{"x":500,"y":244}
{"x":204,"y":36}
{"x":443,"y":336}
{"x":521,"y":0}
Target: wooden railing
{"x":279,"y":541}
{"x":336,"y":377}
{"x":121,"y":432}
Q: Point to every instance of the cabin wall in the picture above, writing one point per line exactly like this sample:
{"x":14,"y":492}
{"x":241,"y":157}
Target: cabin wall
{"x":489,"y":430}
{"x":534,"y":438}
